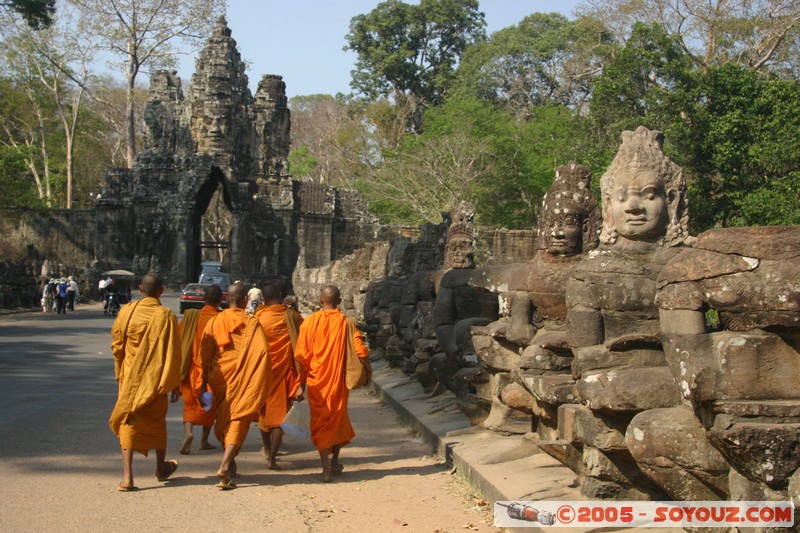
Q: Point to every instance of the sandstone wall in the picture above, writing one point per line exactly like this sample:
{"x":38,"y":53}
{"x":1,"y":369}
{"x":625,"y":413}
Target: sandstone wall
{"x":36,"y":245}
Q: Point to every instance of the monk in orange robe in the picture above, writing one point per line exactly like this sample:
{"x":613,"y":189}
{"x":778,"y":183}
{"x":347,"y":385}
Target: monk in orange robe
{"x":320,"y":354}
{"x":147,"y":366}
{"x":236,"y":365}
{"x":281,"y":325}
{"x":191,"y":328}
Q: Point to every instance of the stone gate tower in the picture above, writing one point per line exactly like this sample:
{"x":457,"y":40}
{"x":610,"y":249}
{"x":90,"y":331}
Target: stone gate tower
{"x":220,"y":135}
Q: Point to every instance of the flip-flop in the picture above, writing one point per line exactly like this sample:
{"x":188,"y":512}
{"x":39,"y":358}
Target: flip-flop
{"x":126,"y":488}
{"x":172,"y":466}
{"x":226,"y":484}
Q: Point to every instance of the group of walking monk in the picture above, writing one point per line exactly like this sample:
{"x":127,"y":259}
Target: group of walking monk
{"x":230,"y":369}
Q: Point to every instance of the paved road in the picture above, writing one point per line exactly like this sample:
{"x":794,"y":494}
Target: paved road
{"x":59,"y":462}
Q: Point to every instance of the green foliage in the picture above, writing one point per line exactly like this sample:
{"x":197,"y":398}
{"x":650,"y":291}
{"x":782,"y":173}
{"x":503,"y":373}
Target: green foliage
{"x":649,"y":82}
{"x":747,"y":156}
{"x":38,"y":14}
{"x":301,"y":161}
{"x":473,"y":151}
{"x":546,"y":59}
{"x":409,"y":52}
{"x":16,"y":189}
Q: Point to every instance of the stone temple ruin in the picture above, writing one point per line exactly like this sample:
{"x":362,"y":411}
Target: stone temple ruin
{"x":219,"y":135}
{"x":654,"y":364}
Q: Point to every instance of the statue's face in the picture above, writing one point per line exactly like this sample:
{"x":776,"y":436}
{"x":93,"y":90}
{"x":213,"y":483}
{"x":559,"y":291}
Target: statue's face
{"x":563,"y":234}
{"x":639,"y":206}
{"x":214,"y":128}
{"x":458,"y":253}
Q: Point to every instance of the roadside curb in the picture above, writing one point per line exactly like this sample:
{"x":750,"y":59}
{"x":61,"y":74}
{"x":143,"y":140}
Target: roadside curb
{"x":476,"y":453}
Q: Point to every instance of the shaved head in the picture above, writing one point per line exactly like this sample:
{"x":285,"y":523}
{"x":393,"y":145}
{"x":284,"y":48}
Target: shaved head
{"x":272,"y":294}
{"x":329,"y":297}
{"x":213,"y":295}
{"x":237,"y":296}
{"x":152,"y":285}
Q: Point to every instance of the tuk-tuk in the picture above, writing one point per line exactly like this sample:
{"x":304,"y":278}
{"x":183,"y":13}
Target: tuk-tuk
{"x":117,"y":293}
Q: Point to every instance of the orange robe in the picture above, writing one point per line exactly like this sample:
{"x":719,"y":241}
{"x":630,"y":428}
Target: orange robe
{"x":236,"y":365}
{"x":147,"y":365}
{"x":320,"y":354}
{"x":192,"y":382}
{"x":285,"y":380}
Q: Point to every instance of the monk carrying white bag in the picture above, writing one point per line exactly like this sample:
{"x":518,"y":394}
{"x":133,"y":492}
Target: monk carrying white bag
{"x":297,"y":422}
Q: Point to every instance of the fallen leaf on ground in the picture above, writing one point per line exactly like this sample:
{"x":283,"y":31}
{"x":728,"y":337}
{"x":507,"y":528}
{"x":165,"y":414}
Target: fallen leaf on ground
{"x":480,"y":502}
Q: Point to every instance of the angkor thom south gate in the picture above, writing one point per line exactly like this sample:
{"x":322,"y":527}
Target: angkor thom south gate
{"x":218,"y":134}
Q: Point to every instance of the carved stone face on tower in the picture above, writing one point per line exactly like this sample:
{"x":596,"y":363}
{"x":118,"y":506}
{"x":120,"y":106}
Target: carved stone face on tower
{"x":214,"y":129}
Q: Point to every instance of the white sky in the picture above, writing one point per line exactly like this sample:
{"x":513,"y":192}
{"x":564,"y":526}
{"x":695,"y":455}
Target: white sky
{"x":302,"y":40}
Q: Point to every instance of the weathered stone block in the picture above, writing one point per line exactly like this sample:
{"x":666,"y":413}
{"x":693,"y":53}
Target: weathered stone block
{"x":493,"y":355}
{"x":503,"y":419}
{"x":733,"y":366}
{"x":553,"y":389}
{"x":534,"y":356}
{"x":598,"y":357}
{"x":671,"y":448}
{"x":565,"y":453}
{"x":579,"y":425}
{"x":585,"y":326}
{"x":764,"y":452}
{"x":767,"y":242}
{"x":742,"y":489}
{"x":516,"y":397}
{"x":597,"y":489}
{"x":633,"y":390}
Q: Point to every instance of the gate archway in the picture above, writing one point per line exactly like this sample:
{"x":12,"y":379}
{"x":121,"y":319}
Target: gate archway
{"x":199,"y":243}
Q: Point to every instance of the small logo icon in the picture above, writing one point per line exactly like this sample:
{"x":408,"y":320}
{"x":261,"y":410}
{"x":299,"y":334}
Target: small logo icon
{"x":519,"y":511}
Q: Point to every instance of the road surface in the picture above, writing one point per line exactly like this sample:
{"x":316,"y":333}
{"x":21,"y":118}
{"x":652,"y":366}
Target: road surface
{"x":60,"y":463}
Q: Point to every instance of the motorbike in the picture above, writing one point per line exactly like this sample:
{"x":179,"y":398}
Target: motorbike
{"x":112,"y":303}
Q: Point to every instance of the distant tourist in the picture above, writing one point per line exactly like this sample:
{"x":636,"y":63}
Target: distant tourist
{"x":72,"y":293}
{"x":49,"y":296}
{"x":254,"y":298}
{"x":61,"y":296}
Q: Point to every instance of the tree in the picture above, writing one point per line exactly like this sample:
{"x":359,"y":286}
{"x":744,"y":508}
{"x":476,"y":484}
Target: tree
{"x":650,"y":81}
{"x":747,"y":156}
{"x":328,"y":139}
{"x":409,"y":52}
{"x":141,"y":33}
{"x":15,"y":190}
{"x":27,"y":125}
{"x":37,"y":14}
{"x":58,"y":60}
{"x":757,"y":34}
{"x":546,"y":59}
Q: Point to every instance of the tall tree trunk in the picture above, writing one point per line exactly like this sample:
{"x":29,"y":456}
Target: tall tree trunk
{"x":130,"y":120}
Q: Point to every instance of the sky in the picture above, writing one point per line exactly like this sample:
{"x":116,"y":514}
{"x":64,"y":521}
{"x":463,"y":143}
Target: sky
{"x":302,"y":40}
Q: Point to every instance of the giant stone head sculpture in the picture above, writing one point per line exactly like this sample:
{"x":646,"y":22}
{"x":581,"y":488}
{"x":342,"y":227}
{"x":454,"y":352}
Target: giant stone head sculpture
{"x":644,"y":193}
